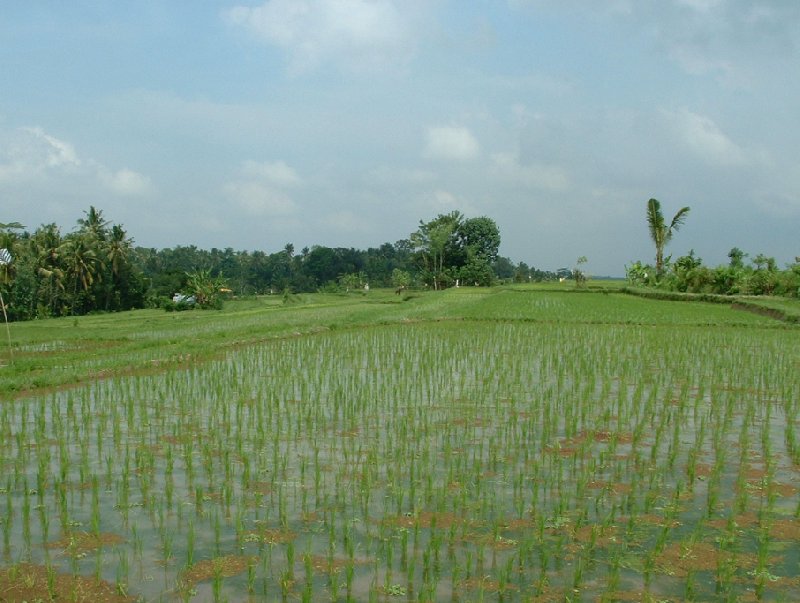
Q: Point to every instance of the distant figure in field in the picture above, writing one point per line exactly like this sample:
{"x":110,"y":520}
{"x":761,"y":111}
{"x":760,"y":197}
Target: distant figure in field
{"x":400,"y":289}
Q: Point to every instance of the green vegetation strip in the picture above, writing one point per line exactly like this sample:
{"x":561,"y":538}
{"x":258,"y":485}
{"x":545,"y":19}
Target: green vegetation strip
{"x":61,"y":352}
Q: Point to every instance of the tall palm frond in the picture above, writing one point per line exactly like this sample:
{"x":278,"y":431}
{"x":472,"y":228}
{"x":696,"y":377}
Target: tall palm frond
{"x":660,"y":233}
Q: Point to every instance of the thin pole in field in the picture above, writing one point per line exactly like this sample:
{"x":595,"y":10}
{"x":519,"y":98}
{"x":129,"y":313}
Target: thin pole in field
{"x":5,"y":262}
{"x":8,"y":330}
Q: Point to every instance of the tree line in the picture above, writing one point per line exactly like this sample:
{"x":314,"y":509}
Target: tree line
{"x":98,"y":268}
{"x":758,"y":276}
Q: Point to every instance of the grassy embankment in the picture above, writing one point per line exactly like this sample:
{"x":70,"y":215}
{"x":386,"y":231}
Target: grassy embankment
{"x":68,"y":351}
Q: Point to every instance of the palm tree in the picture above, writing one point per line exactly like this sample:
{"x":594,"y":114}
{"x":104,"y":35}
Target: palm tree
{"x":46,"y":247}
{"x":94,"y":222}
{"x":660,"y":232}
{"x":117,"y":250}
{"x":84,"y":264}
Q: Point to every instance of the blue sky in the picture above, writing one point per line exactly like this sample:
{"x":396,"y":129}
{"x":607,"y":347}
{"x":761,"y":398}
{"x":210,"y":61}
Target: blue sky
{"x":346,"y":122}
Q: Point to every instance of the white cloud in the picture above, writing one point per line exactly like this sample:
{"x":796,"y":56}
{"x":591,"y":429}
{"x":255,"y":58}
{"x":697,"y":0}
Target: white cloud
{"x":392,"y":176}
{"x":31,"y":154}
{"x":695,"y":61}
{"x":451,"y":143}
{"x":703,"y":137}
{"x":125,"y":182}
{"x":55,"y":152}
{"x":277,"y":173}
{"x":357,"y":34}
{"x":347,"y":222}
{"x":703,"y":6}
{"x":506,"y":166}
{"x":260,"y":189}
{"x":258,"y":199}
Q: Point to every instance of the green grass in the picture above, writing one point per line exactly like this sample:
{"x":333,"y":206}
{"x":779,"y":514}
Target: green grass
{"x":67,"y":351}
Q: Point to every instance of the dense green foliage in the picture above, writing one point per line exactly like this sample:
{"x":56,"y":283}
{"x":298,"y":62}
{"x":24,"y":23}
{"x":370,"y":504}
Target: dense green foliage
{"x":90,"y":269}
{"x":97,"y":267}
{"x":451,"y":249}
{"x":688,"y":274}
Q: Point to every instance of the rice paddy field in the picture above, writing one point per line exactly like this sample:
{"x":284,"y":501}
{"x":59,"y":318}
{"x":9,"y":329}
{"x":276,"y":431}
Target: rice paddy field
{"x":467,"y":445}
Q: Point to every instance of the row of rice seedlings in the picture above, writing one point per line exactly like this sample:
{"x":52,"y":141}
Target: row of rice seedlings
{"x":555,"y":429}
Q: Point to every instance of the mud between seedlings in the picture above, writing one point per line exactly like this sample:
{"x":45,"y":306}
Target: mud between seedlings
{"x":218,"y":567}
{"x":28,"y":582}
{"x":78,"y":544}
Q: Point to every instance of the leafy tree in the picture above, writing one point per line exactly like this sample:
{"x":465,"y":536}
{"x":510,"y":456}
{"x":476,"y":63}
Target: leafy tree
{"x":503,"y":268}
{"x":762,"y":262}
{"x":400,"y":278}
{"x":578,"y":273}
{"x":737,"y":256}
{"x":480,"y":237}
{"x":689,"y":273}
{"x":432,"y":242}
{"x":638,"y":274}
{"x":660,"y":232}
{"x":207,"y":290}
{"x":477,"y":271}
{"x":522,"y":273}
{"x":450,"y":246}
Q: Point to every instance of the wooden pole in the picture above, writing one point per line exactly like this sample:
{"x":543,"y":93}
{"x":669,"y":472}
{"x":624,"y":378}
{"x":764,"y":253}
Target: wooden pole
{"x":8,"y":330}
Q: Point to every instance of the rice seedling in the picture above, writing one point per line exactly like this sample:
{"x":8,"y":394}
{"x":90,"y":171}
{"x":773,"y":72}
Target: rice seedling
{"x":472,"y":458}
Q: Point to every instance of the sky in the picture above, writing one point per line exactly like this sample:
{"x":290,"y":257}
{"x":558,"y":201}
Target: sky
{"x":344,"y":123}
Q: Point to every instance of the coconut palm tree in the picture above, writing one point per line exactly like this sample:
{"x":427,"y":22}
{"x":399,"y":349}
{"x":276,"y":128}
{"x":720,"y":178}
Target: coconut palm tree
{"x":660,"y":233}
{"x":117,"y":250}
{"x":45,"y":245}
{"x":84,"y":265}
{"x":94,"y":222}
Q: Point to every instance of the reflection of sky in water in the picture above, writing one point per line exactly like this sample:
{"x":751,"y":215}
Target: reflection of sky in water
{"x":444,"y":451}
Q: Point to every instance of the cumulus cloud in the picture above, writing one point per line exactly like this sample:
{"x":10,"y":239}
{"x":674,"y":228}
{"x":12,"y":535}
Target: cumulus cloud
{"x":356,"y":34}
{"x":124,"y":182}
{"x":453,"y":143}
{"x":52,"y":151}
{"x":260,"y":189}
{"x":706,"y":140}
{"x":31,"y":154}
{"x":507,"y":167}
{"x":258,"y":199}
{"x":277,"y":173}
{"x":726,"y":39}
